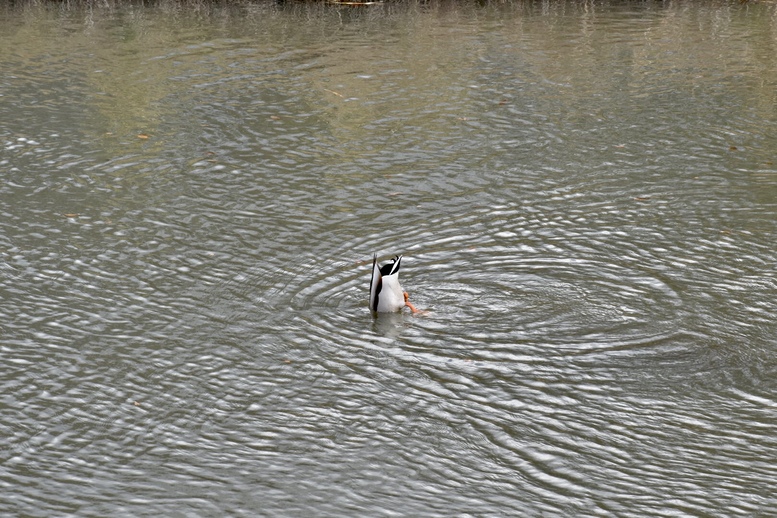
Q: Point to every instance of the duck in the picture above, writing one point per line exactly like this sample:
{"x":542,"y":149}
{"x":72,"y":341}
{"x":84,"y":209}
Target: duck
{"x":386,"y":294}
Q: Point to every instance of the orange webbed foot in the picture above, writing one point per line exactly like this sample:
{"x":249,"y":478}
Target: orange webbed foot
{"x":411,"y":306}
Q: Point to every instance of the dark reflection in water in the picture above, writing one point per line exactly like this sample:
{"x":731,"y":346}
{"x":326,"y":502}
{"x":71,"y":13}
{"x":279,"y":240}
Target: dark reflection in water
{"x":585,"y":197}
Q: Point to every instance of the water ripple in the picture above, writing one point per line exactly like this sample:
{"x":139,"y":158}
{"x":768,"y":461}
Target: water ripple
{"x":586,"y":215}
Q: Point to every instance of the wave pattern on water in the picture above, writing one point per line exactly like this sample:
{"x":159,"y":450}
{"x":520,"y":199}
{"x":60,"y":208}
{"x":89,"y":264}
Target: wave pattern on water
{"x":184,"y":288}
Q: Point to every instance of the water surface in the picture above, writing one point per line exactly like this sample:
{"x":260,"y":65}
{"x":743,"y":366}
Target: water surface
{"x":585,"y":195}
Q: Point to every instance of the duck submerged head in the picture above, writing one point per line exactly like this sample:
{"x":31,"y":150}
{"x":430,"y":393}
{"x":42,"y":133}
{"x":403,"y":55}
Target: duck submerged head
{"x":386,"y":295}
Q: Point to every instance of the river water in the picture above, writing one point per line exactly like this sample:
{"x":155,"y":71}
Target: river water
{"x":585,"y":195}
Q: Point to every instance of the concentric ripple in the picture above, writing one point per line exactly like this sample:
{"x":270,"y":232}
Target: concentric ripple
{"x":584,"y":195}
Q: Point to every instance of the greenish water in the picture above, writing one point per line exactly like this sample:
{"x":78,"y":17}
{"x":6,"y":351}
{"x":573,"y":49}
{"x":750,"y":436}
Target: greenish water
{"x":585,"y":195}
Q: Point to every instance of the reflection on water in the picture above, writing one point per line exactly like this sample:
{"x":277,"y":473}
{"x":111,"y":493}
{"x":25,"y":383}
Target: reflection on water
{"x":584,"y":195}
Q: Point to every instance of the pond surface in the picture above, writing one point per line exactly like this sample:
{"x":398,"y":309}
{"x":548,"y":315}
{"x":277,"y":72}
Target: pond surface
{"x":585,"y":195}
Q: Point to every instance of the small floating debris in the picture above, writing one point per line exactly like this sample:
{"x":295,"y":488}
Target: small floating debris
{"x":347,"y":2}
{"x":338,"y":94}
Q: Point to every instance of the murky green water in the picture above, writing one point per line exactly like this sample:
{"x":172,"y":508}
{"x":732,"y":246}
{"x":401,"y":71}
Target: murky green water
{"x":585,"y":194}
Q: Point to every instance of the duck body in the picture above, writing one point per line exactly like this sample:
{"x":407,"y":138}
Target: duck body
{"x":386,"y":295}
